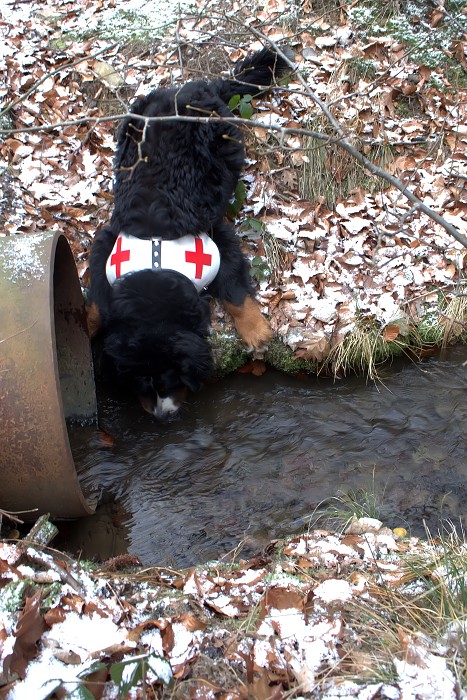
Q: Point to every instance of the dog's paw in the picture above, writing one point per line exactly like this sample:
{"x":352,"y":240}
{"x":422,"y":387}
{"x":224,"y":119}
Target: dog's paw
{"x":252,"y":327}
{"x":93,"y":319}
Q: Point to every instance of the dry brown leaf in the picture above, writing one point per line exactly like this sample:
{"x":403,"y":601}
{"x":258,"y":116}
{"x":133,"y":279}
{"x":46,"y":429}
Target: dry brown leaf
{"x":54,"y":615}
{"x":29,"y":630}
{"x":254,"y":367}
{"x":317,"y":350}
{"x":168,"y":636}
{"x":134,"y":634}
{"x":413,"y":654}
{"x":192,"y":623}
{"x":437,"y":17}
{"x":389,"y":104}
{"x":68,"y":657}
{"x":281,"y":599}
{"x":106,"y":439}
{"x":391,"y":332}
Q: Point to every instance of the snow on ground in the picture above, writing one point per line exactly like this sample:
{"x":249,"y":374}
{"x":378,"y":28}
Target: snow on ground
{"x":317,"y":269}
{"x":288,"y":620}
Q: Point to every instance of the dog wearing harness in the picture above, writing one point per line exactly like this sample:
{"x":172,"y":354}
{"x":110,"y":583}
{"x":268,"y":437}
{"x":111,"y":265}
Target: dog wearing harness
{"x":168,"y":247}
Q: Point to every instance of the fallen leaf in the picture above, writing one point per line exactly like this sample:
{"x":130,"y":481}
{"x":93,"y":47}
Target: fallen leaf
{"x":281,"y":599}
{"x":316,"y":350}
{"x":255,"y":367}
{"x":29,"y":630}
{"x":390,"y":333}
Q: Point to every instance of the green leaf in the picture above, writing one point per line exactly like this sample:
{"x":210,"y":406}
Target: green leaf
{"x":256,"y":225}
{"x":246,"y":110}
{"x":234,"y":102}
{"x":235,"y":206}
{"x":252,"y":228}
{"x":127,"y":674}
{"x":259,"y":269}
{"x":240,"y":192}
{"x":92,"y":668}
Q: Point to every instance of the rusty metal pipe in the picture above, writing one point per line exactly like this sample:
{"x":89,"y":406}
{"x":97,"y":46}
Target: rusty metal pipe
{"x":46,"y":376}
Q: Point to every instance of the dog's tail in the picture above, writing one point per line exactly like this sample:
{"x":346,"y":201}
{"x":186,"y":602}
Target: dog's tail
{"x":257,"y":73}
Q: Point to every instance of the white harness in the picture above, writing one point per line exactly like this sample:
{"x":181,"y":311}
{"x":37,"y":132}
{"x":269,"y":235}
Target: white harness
{"x":196,"y":257}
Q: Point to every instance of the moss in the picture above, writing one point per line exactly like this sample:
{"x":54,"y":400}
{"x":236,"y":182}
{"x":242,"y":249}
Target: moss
{"x":228,"y":353}
{"x":409,"y":23}
{"x":456,"y":75}
{"x":360,"y":68}
{"x":13,"y":594}
{"x":282,"y":358}
{"x":52,"y":595}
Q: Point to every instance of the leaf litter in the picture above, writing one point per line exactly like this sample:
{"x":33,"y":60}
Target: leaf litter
{"x":289,"y":619}
{"x":373,"y":251}
{"x":288,"y":622}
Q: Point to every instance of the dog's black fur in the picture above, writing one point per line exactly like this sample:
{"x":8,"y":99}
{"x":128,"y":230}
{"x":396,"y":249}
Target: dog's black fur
{"x":175,"y":178}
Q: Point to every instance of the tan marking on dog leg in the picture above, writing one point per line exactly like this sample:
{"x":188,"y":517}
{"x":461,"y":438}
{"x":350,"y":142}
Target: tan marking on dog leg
{"x":252,"y":327}
{"x":93,"y":318}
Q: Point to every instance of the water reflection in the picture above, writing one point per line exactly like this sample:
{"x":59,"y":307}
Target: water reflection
{"x":252,"y":457}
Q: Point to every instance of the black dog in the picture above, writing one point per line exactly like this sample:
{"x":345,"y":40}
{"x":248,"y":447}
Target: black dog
{"x":167,"y":240}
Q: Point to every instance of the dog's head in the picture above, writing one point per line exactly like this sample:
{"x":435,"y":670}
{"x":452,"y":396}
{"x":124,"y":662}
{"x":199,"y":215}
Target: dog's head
{"x":157,"y":338}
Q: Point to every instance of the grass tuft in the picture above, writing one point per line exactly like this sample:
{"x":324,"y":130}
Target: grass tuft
{"x":364,"y":348}
{"x":328,"y":171}
{"x":339,"y":511}
{"x":454,"y":319}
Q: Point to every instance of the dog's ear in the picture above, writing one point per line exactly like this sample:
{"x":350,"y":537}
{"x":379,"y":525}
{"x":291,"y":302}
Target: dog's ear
{"x":195,"y":360}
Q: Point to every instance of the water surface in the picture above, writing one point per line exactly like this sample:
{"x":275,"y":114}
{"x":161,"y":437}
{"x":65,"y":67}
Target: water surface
{"x":251,"y":457}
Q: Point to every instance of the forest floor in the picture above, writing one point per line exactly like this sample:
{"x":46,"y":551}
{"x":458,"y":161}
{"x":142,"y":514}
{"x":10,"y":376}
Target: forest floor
{"x":348,"y":271}
{"x":366,"y":613}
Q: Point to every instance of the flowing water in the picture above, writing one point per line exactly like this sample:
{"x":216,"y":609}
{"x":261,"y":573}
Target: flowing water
{"x":250,"y":458}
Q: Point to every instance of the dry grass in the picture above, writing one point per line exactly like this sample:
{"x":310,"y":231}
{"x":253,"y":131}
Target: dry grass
{"x":364,"y":348}
{"x":274,"y":252}
{"x":454,"y":319}
{"x":328,"y":172}
{"x":423,"y":608}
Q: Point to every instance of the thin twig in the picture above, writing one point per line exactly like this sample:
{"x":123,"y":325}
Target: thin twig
{"x":45,"y":77}
{"x":343,"y":142}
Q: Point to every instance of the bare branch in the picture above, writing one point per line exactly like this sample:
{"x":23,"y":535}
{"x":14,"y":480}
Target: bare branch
{"x":343,"y":142}
{"x":45,"y":77}
{"x":341,"y":139}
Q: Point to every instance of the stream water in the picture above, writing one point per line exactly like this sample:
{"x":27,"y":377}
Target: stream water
{"x":250,"y":458}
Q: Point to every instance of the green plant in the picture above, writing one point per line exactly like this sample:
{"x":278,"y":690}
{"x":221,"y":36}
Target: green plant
{"x":410,"y":24}
{"x":360,"y":68}
{"x":259,"y":269}
{"x":130,"y":673}
{"x":242,"y":103}
{"x":252,"y":228}
{"x":236,"y":204}
{"x":338,"y":511}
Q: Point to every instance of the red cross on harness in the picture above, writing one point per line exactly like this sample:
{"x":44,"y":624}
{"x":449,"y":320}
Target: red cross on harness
{"x":119,"y":257}
{"x":198,"y":257}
